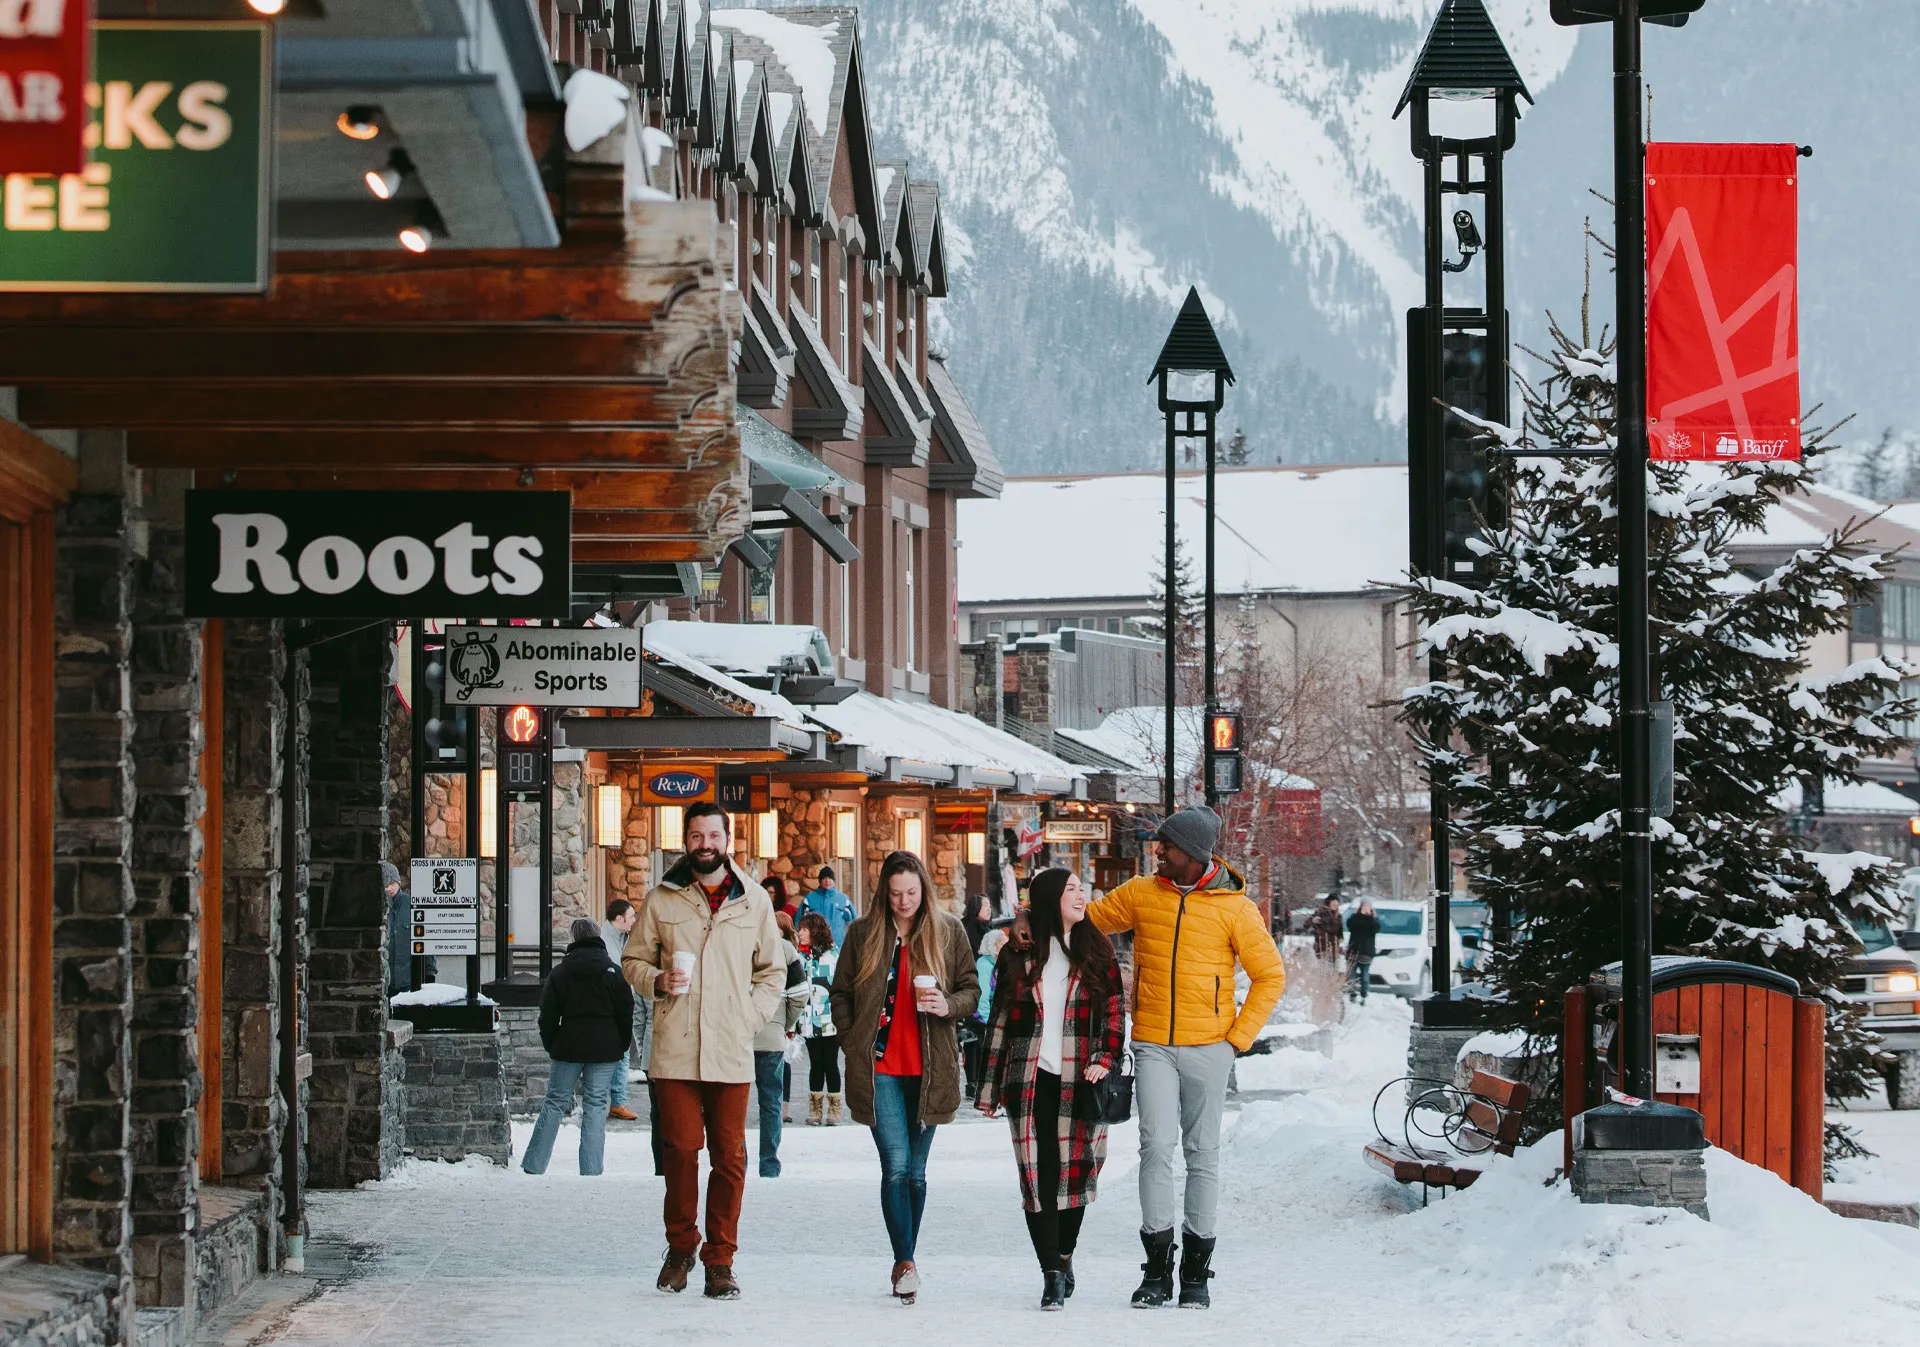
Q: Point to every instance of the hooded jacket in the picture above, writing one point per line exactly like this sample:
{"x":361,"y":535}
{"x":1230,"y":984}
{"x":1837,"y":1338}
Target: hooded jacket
{"x":586,"y":1010}
{"x":708,"y":1033}
{"x":1184,"y":950}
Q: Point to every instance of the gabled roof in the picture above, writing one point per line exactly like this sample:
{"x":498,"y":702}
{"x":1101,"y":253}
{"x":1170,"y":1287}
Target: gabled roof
{"x":973,"y":470}
{"x":1463,"y":50}
{"x":757,"y":146}
{"x":812,"y":54}
{"x":890,"y":178}
{"x":632,"y":21}
{"x":673,"y":56}
{"x":929,"y":262}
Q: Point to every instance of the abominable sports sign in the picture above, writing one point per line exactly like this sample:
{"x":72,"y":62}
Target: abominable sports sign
{"x":543,"y":666}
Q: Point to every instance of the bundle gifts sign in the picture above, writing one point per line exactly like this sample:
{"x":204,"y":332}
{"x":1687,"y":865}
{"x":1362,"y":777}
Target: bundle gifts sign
{"x":543,"y":666}
{"x":373,"y":554}
{"x":1723,"y":334}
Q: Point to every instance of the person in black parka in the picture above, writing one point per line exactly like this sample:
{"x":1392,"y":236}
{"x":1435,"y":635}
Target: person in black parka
{"x":586,"y":1026}
{"x":1362,"y":929}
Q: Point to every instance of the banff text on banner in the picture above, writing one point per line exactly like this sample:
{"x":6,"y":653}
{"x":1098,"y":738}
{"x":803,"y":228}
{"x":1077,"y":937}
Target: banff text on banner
{"x":43,"y":96}
{"x":1723,"y":331}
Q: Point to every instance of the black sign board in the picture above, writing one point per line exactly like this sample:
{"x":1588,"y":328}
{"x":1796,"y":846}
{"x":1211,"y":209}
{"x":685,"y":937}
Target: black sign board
{"x":378,"y":553}
{"x":744,"y":792}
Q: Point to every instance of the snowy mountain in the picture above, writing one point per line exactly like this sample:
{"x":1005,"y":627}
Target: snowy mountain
{"x":1097,"y":156}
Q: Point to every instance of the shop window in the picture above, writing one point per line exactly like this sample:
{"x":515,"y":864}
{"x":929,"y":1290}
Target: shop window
{"x":913,"y":834}
{"x":846,"y":834}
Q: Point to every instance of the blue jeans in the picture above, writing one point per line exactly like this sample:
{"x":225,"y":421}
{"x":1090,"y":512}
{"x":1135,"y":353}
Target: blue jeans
{"x":903,"y":1142}
{"x":769,"y":1079}
{"x":597,"y":1076}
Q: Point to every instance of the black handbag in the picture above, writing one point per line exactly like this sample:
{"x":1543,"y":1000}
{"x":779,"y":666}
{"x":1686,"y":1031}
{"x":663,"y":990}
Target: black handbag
{"x":1108,"y":1100}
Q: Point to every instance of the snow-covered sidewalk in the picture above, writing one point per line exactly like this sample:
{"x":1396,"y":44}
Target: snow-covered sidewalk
{"x":1314,"y":1248}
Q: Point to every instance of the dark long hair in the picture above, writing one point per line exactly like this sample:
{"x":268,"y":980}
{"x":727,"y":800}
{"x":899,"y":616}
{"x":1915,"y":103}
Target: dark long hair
{"x":776,"y":888}
{"x":1089,"y":952}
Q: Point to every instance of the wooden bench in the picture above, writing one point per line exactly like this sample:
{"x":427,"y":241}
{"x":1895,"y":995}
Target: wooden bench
{"x":1485,"y":1117}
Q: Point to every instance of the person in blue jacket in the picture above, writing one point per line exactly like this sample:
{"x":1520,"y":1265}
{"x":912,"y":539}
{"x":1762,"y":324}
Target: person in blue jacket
{"x":832,"y":904}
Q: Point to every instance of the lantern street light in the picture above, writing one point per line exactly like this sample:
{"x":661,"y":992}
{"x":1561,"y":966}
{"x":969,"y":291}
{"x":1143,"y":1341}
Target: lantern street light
{"x":1457,"y":357}
{"x":1193,"y":374}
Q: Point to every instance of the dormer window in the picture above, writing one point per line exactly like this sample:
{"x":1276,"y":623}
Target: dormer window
{"x":813,"y":274}
{"x":846,"y":316}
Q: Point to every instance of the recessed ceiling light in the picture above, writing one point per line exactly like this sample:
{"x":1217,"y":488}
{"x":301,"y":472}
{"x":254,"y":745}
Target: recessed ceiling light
{"x":357,"y":123}
{"x":267,"y":6}
{"x":416,"y":238}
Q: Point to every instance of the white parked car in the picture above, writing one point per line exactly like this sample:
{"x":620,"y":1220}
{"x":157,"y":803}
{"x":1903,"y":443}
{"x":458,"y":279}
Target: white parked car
{"x":1403,"y":951}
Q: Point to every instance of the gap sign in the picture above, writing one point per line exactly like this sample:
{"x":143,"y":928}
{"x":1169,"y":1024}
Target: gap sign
{"x":174,"y":194}
{"x":374,"y":554}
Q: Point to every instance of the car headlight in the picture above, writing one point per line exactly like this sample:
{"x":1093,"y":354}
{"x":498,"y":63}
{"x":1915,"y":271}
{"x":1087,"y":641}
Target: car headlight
{"x":1904,"y":982}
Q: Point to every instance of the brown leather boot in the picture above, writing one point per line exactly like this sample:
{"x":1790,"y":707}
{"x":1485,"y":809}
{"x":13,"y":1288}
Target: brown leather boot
{"x":721,"y":1284}
{"x":673,"y":1272}
{"x":623,"y":1113}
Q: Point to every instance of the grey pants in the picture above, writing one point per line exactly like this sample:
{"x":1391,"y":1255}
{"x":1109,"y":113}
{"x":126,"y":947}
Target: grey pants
{"x":1180,"y":1094}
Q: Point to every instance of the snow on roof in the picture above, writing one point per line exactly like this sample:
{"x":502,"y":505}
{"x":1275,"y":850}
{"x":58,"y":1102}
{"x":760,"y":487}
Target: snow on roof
{"x":742,"y":647}
{"x":1854,"y":797}
{"x":1138,"y":735}
{"x":764,"y":703}
{"x":922,"y":732}
{"x":1315,"y":529}
{"x":806,"y":50}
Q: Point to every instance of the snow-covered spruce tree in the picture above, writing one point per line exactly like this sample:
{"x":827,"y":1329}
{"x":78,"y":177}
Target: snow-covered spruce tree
{"x":1524,"y":735}
{"x":1189,"y":604}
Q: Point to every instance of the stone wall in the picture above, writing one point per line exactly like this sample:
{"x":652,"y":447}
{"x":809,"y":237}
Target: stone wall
{"x":1433,"y":1054}
{"x":1642,"y":1178}
{"x":524,"y":1062}
{"x":234,"y":1245}
{"x":252,"y":1113}
{"x":630,"y":866}
{"x":457,"y":1098}
{"x":806,"y":838}
{"x":393,"y":1095}
{"x":94,"y":798}
{"x":983,"y":681}
{"x":347,"y":803}
{"x":42,"y":1306}
{"x":167,"y":742}
{"x":947,"y":864}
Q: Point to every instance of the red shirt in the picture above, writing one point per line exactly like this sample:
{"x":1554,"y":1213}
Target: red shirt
{"x":715,"y":897}
{"x":903,"y":1040}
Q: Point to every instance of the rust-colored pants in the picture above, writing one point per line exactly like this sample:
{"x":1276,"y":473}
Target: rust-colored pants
{"x":694,"y":1113}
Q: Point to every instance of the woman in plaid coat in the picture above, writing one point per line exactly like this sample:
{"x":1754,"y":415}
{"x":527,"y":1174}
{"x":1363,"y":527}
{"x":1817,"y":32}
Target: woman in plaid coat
{"x":1057,"y":1020}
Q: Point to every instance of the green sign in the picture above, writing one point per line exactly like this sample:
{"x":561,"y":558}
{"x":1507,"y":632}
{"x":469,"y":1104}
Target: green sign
{"x":176,"y":191}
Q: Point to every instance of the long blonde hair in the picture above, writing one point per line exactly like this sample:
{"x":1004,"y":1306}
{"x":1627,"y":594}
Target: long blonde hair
{"x":924,"y":954}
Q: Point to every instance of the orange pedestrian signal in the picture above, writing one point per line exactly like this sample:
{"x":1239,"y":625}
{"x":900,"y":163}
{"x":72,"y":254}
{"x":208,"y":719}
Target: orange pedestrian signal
{"x":523,"y":725}
{"x":1223,"y":731}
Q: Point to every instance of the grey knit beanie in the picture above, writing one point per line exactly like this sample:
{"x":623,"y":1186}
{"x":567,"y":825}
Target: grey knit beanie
{"x":390,"y":873}
{"x":1193,"y":830}
{"x":585,"y":928}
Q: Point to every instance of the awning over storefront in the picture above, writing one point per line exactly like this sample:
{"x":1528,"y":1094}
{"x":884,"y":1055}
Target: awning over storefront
{"x":782,"y":474}
{"x":917,"y":741}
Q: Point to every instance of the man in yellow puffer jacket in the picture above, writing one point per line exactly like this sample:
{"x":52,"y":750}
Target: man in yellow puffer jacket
{"x":1191,"y":923}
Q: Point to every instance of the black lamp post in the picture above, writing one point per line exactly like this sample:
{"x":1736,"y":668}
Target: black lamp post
{"x":1456,"y":357}
{"x":1630,"y":428}
{"x":1193,"y":375}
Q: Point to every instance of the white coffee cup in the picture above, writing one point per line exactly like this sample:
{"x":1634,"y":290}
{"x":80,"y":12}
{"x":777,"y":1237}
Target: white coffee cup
{"x":683,"y":962}
{"x":923,"y":985}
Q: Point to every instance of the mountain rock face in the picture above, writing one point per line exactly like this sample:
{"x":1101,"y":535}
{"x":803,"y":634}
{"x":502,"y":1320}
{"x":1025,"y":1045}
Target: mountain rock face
{"x":1098,"y":156}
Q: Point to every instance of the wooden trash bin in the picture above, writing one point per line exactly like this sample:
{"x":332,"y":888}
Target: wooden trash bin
{"x":1735,"y":1042}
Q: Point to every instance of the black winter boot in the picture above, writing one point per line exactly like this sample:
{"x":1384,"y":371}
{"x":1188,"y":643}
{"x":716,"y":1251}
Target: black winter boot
{"x":1195,"y":1255}
{"x":1156,"y":1287}
{"x":1053,"y":1295}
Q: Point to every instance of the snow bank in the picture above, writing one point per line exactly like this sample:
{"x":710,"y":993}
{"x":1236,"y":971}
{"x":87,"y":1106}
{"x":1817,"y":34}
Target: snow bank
{"x":439,"y":994}
{"x":1506,"y":1043}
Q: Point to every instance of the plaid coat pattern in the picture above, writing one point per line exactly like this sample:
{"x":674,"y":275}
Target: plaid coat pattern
{"x":1012,"y":1071}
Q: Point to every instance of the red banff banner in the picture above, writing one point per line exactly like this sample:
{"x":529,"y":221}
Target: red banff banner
{"x":43,"y":77}
{"x":1723,"y":328}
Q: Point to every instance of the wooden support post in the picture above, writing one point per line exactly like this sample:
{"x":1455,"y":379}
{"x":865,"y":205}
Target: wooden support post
{"x":1574,"y":1038}
{"x":1809,"y":1094}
